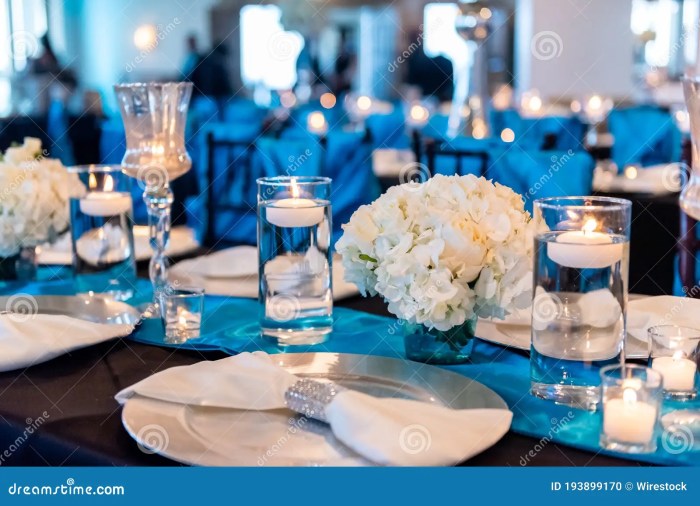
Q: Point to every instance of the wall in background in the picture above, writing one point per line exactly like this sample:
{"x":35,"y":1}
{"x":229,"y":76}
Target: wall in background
{"x":574,"y":47}
{"x":99,"y":35}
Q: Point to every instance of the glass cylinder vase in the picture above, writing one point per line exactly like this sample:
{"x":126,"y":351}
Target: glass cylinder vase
{"x":432,"y":346}
{"x":295,"y":259}
{"x":580,"y":295}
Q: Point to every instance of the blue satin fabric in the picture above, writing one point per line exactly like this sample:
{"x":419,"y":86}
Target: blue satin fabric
{"x":644,"y":135}
{"x":230,"y":325}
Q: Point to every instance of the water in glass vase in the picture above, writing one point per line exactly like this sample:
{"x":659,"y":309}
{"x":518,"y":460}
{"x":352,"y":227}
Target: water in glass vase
{"x":103,"y":247}
{"x":578,"y":316}
{"x":295,"y":293}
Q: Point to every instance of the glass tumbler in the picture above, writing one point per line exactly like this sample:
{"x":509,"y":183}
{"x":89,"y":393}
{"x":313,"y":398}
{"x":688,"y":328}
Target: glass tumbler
{"x":580,"y":297}
{"x":632,"y":398}
{"x":675,"y":352}
{"x":295,"y":259}
{"x":102,"y":238}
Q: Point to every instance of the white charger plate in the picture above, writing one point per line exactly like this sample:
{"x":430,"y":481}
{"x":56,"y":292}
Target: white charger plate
{"x":515,"y":331}
{"x":233,"y":272}
{"x":182,"y":241}
{"x":226,"y":437}
{"x":83,"y":307}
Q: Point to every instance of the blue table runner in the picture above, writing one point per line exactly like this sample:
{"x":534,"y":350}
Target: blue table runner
{"x":230,"y":325}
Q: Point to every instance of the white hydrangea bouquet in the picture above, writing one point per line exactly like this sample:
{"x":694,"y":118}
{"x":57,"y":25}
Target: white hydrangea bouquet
{"x":34,"y":193}
{"x":442,"y":253}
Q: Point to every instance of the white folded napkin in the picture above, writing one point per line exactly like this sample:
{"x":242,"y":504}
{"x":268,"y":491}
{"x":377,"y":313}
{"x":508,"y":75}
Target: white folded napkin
{"x":28,"y":340}
{"x":228,"y":263}
{"x":381,"y":430}
{"x":234,"y":272}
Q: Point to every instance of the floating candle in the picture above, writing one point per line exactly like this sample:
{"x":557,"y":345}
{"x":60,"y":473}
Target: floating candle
{"x":628,"y":420}
{"x":295,"y":211}
{"x":677,"y":371}
{"x":585,"y":249}
{"x":105,"y":202}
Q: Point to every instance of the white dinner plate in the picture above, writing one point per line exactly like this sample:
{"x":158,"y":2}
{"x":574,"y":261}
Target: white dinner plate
{"x":515,"y":331}
{"x":182,"y":241}
{"x":83,"y":307}
{"x":226,"y":437}
{"x":233,"y":272}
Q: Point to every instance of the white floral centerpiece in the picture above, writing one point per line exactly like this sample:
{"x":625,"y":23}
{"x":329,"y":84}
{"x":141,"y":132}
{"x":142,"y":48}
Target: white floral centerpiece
{"x":34,"y":192}
{"x":442,"y":253}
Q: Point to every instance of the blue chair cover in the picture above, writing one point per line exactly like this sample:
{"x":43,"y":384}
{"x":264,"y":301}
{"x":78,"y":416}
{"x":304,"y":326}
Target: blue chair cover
{"x":348,"y":161}
{"x":57,"y":130}
{"x":245,"y":114}
{"x":560,"y":132}
{"x":644,"y":135}
{"x":540,"y":174}
{"x":436,"y":128}
{"x":388,"y":130}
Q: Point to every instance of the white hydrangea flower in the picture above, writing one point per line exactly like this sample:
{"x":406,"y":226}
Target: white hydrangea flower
{"x":34,"y":193}
{"x":442,"y":251}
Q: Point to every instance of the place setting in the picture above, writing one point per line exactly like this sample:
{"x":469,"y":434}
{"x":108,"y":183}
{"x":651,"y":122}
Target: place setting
{"x":350,"y":236}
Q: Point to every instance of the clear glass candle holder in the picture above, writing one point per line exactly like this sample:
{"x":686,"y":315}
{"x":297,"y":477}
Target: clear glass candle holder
{"x":675,"y":352}
{"x":580,"y":295}
{"x":102,"y":238}
{"x":181,"y":311}
{"x":295,"y":259}
{"x":632,"y":396}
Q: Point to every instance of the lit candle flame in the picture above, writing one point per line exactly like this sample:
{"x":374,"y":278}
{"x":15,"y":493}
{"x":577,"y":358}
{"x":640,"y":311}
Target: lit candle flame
{"x":629,"y":396}
{"x":595,"y":102}
{"x":109,"y":184}
{"x":419,"y":113}
{"x":92,"y":181}
{"x":678,"y":355}
{"x":295,"y":189}
{"x":364,"y":103}
{"x":317,"y":120}
{"x":590,"y":225}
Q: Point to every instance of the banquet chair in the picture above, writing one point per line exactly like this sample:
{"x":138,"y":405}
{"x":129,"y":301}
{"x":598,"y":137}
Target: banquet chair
{"x":57,"y":130}
{"x":688,"y":246}
{"x":348,"y":161}
{"x":229,"y":198}
{"x":644,"y":135}
{"x":388,"y":130}
{"x":461,"y":156}
{"x":539,"y":174}
{"x":85,"y":134}
{"x":686,"y":263}
{"x":558,"y":133}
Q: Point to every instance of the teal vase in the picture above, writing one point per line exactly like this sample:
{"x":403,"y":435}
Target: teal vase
{"x":432,"y":346}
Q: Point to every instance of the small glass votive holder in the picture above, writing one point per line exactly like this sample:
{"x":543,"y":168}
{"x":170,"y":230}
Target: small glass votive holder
{"x":102,"y":238}
{"x":182,"y":310}
{"x":631,"y":396}
{"x":675,"y":352}
{"x":295,"y":259}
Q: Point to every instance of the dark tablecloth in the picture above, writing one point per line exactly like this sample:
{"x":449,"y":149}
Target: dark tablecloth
{"x":70,"y":402}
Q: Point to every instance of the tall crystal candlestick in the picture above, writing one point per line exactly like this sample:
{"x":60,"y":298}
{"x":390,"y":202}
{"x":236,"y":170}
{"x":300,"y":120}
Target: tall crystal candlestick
{"x":154,"y":116}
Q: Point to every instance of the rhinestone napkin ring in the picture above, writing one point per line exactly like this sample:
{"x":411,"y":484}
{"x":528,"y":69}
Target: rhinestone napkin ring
{"x":310,"y":398}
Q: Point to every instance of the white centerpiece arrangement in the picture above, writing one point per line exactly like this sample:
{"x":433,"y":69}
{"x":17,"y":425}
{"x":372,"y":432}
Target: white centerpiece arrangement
{"x":442,"y":253}
{"x":34,"y":193}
